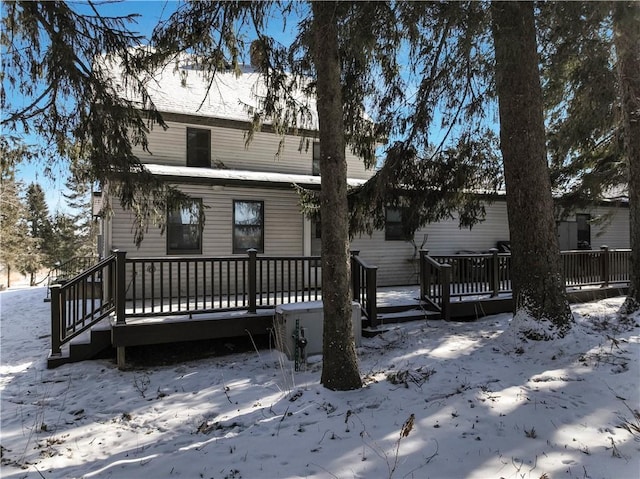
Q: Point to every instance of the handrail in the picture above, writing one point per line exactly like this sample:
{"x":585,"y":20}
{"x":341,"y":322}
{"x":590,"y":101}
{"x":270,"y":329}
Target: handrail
{"x":364,"y":287}
{"x":73,"y":266}
{"x":435,"y":283}
{"x":80,"y":303}
{"x":93,"y":269}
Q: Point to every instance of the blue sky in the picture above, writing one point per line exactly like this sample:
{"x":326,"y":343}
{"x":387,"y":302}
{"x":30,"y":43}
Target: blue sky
{"x":150,"y":13}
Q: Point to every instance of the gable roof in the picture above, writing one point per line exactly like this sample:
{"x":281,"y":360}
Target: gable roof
{"x":184,"y":88}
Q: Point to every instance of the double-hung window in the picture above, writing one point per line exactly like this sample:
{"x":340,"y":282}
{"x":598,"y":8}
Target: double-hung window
{"x":199,"y":147}
{"x":393,"y":227}
{"x":184,"y":229}
{"x":248,"y":226}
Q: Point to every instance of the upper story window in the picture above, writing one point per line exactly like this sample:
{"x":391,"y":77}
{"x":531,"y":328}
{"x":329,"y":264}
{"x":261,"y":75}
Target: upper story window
{"x":393,"y":228}
{"x":315,"y":161}
{"x":248,"y":226}
{"x":199,"y":147}
{"x":184,"y":229}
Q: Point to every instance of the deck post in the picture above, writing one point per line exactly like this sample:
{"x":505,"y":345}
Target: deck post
{"x":55,"y":320}
{"x":253,"y":290}
{"x":372,"y":290}
{"x":446,"y":292}
{"x":422,"y":272}
{"x":605,"y":269}
{"x":121,"y":287}
{"x":121,"y":357}
{"x":355,"y":276}
{"x":494,"y":272}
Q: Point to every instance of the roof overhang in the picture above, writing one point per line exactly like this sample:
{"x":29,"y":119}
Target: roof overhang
{"x":247,"y":179}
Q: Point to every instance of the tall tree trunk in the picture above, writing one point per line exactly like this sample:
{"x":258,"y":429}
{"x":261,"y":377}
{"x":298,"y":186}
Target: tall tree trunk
{"x":340,"y":366}
{"x":626,"y":29}
{"x":536,"y":274}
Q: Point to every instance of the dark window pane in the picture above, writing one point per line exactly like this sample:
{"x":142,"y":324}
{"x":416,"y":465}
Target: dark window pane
{"x":184,"y":231}
{"x":393,"y":229}
{"x":584,"y":230}
{"x":248,"y":226}
{"x":198,"y":147}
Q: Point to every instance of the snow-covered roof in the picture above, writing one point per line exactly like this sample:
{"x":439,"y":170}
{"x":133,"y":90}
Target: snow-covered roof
{"x":184,"y":88}
{"x":224,"y":176}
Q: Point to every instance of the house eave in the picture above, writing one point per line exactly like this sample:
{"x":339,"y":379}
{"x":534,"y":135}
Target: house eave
{"x":238,"y":178}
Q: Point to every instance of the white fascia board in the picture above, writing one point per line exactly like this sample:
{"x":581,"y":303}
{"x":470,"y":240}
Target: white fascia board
{"x":239,"y":176}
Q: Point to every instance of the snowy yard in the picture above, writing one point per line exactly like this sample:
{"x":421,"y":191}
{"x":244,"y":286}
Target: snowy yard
{"x":482,"y":405}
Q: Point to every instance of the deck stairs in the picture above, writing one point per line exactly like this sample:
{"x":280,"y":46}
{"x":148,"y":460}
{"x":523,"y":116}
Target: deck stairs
{"x":88,"y":345}
{"x":406,"y":312}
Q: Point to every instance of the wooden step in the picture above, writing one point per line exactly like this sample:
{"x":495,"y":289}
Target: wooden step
{"x":99,"y":341}
{"x":414,"y":314}
{"x":86,"y":346}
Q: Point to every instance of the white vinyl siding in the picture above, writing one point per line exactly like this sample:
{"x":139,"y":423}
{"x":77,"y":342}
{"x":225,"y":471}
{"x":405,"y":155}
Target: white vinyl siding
{"x":395,"y":260}
{"x":283,"y":232}
{"x":282,"y":217}
{"x":228,"y":147}
{"x":614,"y":234}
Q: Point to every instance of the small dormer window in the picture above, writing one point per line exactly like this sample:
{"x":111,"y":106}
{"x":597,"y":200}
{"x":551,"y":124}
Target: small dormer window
{"x":199,"y":147}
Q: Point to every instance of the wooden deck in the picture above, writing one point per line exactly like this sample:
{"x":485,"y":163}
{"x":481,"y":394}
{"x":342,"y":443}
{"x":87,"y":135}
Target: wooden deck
{"x":212,"y":297}
{"x":395,"y":305}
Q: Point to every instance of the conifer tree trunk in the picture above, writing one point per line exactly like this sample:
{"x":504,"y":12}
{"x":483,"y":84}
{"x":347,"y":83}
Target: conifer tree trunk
{"x":626,"y":27}
{"x":340,"y":367}
{"x":537,"y":283}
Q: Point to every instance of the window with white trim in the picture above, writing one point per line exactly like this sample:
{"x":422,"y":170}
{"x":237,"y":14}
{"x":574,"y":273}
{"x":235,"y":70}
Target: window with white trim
{"x":184,"y":229}
{"x":199,"y":147}
{"x":248,"y":226}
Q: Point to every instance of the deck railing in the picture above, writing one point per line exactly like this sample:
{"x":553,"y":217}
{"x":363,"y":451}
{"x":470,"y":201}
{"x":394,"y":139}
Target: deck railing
{"x":286,"y":279}
{"x":490,"y":274}
{"x":72,"y":267}
{"x":478,"y":274}
{"x":169,"y":286}
{"x":435,"y":283}
{"x":177,"y":286}
{"x":81,"y":302}
{"x":174,"y":285}
{"x":364,"y":287}
{"x":597,"y":267}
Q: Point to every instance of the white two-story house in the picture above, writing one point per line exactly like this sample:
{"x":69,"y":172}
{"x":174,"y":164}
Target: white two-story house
{"x":247,"y":188}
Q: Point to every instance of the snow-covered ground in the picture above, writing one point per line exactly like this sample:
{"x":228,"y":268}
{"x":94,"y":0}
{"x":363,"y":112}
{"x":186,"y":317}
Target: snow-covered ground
{"x":442,"y":400}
